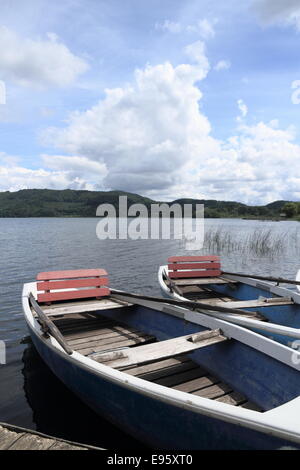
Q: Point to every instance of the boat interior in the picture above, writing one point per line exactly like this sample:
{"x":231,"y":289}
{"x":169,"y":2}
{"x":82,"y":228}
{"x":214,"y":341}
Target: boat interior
{"x":156,"y":346}
{"x":93,"y":335}
{"x":200,"y":279}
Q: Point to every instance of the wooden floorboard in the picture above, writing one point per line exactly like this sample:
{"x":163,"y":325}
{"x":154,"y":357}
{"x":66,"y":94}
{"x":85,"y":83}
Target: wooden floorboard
{"x":88,"y":334}
{"x":108,"y":333}
{"x":134,"y":337}
{"x":233,"y":398}
{"x":83,"y":325}
{"x":117,"y":344}
{"x":100,"y":332}
{"x":213,"y":391}
{"x":157,"y":375}
{"x":197,"y":383}
{"x":174,"y":379}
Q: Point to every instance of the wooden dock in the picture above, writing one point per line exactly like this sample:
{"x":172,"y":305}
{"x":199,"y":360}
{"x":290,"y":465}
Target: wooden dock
{"x":17,"y":438}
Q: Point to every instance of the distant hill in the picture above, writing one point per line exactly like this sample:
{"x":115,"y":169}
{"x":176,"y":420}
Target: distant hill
{"x":76,"y":203}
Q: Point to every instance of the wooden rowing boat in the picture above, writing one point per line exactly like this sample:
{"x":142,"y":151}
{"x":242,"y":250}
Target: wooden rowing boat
{"x":271,"y":309}
{"x":171,"y":377}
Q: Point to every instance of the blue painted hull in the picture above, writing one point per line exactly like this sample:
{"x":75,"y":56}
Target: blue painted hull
{"x":158,"y":424}
{"x":286,"y":315}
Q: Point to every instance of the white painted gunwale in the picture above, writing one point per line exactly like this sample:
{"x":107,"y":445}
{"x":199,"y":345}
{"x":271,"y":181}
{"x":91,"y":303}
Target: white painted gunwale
{"x":280,"y":422}
{"x":242,"y":321}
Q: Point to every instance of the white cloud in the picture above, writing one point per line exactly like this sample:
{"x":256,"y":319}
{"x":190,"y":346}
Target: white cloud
{"x":152,"y":137}
{"x":222,"y":65}
{"x":203,"y":27}
{"x":170,"y":26}
{"x":196,"y":52}
{"x":65,"y":172}
{"x":76,"y":166}
{"x":16,"y":178}
{"x":280,"y":11}
{"x":37,"y":63}
{"x":243,"y":109}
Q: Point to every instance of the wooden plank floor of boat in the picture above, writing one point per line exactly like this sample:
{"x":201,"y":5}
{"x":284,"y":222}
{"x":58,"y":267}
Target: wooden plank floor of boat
{"x":89,"y":334}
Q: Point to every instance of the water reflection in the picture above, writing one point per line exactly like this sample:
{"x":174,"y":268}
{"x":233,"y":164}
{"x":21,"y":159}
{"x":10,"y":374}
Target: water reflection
{"x":58,"y":412}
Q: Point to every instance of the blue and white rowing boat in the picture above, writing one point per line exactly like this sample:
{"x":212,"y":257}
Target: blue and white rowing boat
{"x":271,"y":309}
{"x":171,"y":377}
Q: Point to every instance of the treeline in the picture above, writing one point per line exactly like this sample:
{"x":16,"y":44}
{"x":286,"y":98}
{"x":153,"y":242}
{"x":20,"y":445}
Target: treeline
{"x":76,"y":203}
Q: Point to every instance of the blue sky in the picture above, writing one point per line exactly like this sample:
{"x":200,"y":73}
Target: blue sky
{"x":165,"y":98}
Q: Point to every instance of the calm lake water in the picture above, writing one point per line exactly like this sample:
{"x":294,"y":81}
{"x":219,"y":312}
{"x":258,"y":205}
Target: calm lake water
{"x":30,"y":395}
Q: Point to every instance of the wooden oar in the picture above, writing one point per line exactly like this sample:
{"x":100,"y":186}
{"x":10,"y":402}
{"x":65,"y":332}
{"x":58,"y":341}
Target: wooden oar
{"x":278,"y":280}
{"x":188,"y":304}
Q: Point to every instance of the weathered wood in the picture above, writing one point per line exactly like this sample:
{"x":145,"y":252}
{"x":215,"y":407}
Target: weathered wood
{"x":134,"y":338}
{"x":116,"y":344}
{"x":193,"y":266}
{"x":188,"y":266}
{"x":199,"y":274}
{"x":162,"y":374}
{"x":31,"y":442}
{"x":213,"y":391}
{"x":233,"y":398}
{"x":254,"y":303}
{"x":84,"y":326}
{"x":70,"y":274}
{"x":7,"y":438}
{"x":175,"y":259}
{"x":82,"y":307}
{"x":74,"y":294}
{"x":74,"y":282}
{"x":211,"y":280}
{"x":179,"y":378}
{"x":58,"y":445}
{"x":158,"y":365}
{"x":109,"y":334}
{"x":17,"y":438}
{"x":165,"y":349}
{"x":48,"y":326}
{"x":197,"y":384}
{"x":84,"y":333}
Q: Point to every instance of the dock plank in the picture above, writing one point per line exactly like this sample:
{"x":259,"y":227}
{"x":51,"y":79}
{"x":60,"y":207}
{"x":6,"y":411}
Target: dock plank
{"x":31,"y":442}
{"x":7,"y":438}
{"x":17,"y":438}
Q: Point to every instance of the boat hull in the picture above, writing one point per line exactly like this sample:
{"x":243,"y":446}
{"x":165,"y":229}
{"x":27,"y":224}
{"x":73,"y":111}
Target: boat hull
{"x":285,"y":315}
{"x":153,"y":421}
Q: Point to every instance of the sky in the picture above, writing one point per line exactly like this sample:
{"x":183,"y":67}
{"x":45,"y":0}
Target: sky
{"x":165,"y":98}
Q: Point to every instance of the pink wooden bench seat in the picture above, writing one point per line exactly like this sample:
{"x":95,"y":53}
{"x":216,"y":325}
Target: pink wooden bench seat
{"x":194,"y":266}
{"x":87,"y":282}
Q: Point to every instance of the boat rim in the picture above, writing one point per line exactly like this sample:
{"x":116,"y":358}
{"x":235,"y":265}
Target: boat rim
{"x":279,"y":422}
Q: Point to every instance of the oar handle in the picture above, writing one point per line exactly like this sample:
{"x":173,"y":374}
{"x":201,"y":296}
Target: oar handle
{"x":278,"y":280}
{"x":187,"y":304}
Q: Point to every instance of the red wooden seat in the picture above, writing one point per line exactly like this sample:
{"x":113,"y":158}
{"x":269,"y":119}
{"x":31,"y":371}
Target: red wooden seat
{"x":194,"y":266}
{"x":87,"y":282}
